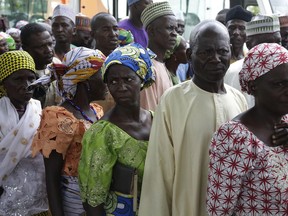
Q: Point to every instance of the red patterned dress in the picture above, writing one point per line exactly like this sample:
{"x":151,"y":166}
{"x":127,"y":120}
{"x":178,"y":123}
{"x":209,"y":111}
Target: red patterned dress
{"x":246,"y":177}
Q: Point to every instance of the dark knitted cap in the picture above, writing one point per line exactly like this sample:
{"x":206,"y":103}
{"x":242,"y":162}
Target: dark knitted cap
{"x":238,"y":12}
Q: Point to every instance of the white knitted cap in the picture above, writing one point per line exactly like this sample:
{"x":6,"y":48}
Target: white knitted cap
{"x":65,"y":11}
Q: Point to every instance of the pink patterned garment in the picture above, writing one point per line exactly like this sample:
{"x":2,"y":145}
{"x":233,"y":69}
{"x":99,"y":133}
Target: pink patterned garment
{"x":246,"y":177}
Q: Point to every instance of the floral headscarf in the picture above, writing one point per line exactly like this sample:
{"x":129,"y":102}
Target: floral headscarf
{"x":260,"y":60}
{"x":78,"y":65}
{"x":125,"y":37}
{"x":136,"y":58}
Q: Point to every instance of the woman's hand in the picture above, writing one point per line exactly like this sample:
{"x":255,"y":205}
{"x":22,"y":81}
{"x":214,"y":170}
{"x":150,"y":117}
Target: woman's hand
{"x":280,"y":135}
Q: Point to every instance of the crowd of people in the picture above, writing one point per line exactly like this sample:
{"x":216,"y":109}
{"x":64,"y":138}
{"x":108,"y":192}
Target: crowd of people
{"x":125,"y":118}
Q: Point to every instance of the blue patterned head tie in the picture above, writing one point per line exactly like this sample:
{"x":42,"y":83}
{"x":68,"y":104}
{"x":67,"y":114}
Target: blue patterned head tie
{"x":136,"y":58}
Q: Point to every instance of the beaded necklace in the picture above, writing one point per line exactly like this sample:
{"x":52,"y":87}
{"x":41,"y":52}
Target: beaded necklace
{"x":82,"y":112}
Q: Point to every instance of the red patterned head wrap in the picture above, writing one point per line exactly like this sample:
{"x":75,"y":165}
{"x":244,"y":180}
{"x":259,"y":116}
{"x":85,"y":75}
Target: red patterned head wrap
{"x":260,"y":60}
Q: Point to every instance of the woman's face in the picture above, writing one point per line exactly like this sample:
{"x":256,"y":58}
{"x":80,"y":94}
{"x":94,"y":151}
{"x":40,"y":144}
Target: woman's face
{"x":124,"y":85}
{"x":98,"y":88}
{"x":16,"y":86}
{"x":271,"y":90}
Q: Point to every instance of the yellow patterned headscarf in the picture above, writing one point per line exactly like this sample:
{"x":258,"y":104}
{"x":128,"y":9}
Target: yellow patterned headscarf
{"x":13,"y":61}
{"x":78,"y":65}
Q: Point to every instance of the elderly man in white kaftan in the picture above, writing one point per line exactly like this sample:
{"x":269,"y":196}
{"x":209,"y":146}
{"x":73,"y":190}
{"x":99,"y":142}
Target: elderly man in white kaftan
{"x":175,"y":175}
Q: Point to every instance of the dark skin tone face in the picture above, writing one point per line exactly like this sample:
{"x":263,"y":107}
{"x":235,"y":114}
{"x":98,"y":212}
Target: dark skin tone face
{"x":83,"y":38}
{"x":139,"y":6}
{"x":105,"y":32}
{"x":210,"y":56}
{"x":123,"y":84}
{"x":270,"y":90}
{"x":180,"y":27}
{"x":164,"y":31}
{"x":16,"y":87}
{"x":63,"y":29}
{"x":237,"y":32}
{"x":40,"y":48}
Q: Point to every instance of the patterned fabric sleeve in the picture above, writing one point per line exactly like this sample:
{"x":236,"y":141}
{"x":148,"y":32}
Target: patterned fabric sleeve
{"x":97,"y":160}
{"x":56,"y":131}
{"x":98,"y":109}
{"x":231,"y":158}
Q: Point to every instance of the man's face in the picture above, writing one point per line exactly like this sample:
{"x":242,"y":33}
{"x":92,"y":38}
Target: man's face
{"x":40,"y":48}
{"x":180,"y":26}
{"x":106,"y":33}
{"x":84,"y":38}
{"x":210,"y":56}
{"x":141,"y":5}
{"x":63,"y":29}
{"x":164,"y":32}
{"x":237,"y":32}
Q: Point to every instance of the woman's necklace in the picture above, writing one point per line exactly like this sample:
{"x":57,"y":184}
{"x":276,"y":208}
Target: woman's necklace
{"x":82,"y":112}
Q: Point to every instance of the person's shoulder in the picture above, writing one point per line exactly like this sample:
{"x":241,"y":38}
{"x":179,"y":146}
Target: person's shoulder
{"x":99,"y":126}
{"x":178,"y":90}
{"x":233,"y":71}
{"x":124,"y":23}
{"x":57,"y":112}
{"x":35,"y":102}
{"x":234,"y":91}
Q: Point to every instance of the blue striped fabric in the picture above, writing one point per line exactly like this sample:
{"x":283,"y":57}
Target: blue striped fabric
{"x":71,"y":199}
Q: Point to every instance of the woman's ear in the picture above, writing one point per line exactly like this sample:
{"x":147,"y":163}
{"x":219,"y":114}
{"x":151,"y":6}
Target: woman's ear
{"x":252,"y":87}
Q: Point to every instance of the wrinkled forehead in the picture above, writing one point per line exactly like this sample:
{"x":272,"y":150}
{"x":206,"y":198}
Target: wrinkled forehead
{"x":213,"y":31}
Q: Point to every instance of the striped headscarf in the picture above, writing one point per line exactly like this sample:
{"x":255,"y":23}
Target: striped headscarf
{"x":78,"y":65}
{"x":136,"y":58}
{"x":13,"y":61}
